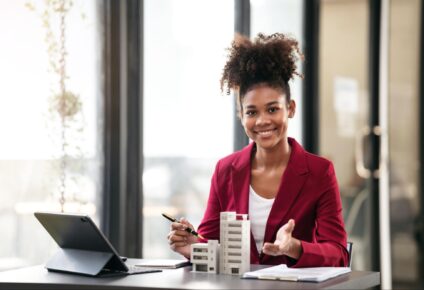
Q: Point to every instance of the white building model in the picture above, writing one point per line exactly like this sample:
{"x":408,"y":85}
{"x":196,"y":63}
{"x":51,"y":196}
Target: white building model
{"x":204,"y":257}
{"x":235,"y":244}
{"x":234,"y":252}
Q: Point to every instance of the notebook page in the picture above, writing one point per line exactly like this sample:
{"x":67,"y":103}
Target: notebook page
{"x":282,"y":272}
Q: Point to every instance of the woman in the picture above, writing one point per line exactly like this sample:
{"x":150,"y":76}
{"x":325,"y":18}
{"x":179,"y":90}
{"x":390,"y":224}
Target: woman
{"x":291,"y":196}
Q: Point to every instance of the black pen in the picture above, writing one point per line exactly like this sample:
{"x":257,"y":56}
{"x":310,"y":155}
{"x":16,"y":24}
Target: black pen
{"x":189,"y":230}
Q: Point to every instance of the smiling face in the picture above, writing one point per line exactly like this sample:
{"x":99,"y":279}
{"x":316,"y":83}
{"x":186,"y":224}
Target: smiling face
{"x":265,"y":113}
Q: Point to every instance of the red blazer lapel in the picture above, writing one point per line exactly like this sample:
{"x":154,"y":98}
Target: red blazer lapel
{"x":240,"y":176}
{"x":293,"y":179}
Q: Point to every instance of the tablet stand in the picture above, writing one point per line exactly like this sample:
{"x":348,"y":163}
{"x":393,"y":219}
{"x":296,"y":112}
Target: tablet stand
{"x":82,"y":262}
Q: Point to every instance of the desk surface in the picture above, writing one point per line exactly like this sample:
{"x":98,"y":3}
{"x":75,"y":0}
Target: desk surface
{"x":38,"y":277}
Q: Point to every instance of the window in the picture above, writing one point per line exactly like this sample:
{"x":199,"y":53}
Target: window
{"x":31,"y":146}
{"x":283,"y":16}
{"x":188,"y":122}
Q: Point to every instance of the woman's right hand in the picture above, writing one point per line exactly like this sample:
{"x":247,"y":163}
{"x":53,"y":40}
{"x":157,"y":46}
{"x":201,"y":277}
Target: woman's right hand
{"x":179,"y":239}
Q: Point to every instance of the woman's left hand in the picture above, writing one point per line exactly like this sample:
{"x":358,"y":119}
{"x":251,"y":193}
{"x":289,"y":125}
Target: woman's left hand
{"x":284,"y":243}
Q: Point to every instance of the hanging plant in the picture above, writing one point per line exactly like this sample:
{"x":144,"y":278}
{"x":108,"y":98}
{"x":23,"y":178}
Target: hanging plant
{"x":64,"y":104}
{"x":67,"y":105}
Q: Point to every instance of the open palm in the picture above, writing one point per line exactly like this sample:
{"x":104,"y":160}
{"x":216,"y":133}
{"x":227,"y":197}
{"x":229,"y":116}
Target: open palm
{"x":283,"y":241}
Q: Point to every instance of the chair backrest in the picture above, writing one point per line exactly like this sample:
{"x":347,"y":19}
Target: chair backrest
{"x":349,"y":250}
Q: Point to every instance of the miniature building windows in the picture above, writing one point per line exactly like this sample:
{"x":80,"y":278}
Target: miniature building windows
{"x":234,"y":270}
{"x":234,"y":254}
{"x":233,"y":225}
{"x":202,"y":268}
{"x":200,"y":250}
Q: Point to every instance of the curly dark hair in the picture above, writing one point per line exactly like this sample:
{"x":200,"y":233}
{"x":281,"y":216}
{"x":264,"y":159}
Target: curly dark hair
{"x":268,"y":59}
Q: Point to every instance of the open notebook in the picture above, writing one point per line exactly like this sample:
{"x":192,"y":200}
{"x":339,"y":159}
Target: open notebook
{"x":282,"y":272}
{"x":163,"y":263}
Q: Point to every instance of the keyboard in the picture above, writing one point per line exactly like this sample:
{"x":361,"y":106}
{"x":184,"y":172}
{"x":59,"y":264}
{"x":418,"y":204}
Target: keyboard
{"x":132,"y":270}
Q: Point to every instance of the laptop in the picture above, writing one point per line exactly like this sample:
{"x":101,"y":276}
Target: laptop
{"x":83,"y":249}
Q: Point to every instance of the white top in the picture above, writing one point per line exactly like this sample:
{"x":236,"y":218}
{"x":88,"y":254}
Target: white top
{"x":259,"y":208}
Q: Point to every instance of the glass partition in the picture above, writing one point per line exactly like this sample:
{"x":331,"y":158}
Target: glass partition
{"x":343,"y":110}
{"x":404,"y":54}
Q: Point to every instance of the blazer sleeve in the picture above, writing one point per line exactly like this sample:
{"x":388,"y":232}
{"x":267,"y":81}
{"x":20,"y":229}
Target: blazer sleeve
{"x":209,"y":226}
{"x":329,"y":248}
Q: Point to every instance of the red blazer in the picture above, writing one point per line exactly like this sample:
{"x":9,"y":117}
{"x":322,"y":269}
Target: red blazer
{"x":308,"y":194}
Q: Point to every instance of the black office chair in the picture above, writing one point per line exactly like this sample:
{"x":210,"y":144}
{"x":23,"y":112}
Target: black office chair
{"x":349,"y":250}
